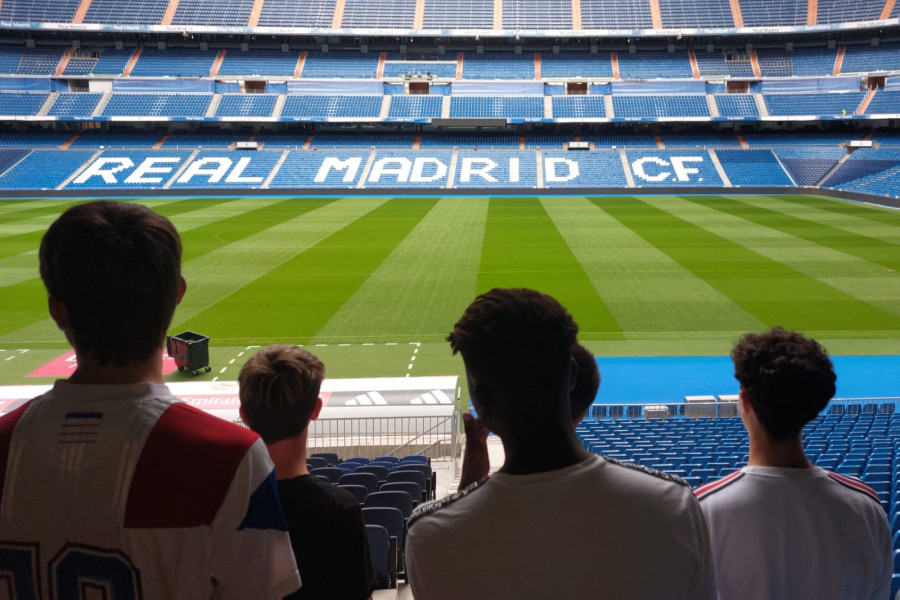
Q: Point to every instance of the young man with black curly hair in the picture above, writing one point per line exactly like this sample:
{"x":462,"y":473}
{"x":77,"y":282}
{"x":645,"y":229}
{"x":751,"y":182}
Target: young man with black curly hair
{"x":555,"y":521}
{"x":780,"y":527}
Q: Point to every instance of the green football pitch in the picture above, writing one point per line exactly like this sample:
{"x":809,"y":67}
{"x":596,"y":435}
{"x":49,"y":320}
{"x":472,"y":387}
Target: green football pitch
{"x":373,"y":284}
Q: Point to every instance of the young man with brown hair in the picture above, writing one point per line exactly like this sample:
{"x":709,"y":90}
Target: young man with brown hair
{"x":555,"y":521}
{"x":279,"y":391}
{"x":110,"y":483}
{"x":780,"y":527}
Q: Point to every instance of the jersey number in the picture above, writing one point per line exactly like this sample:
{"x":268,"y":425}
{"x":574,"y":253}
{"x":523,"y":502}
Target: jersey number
{"x":77,"y":572}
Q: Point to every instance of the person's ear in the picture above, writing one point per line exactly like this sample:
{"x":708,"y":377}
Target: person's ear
{"x":482,"y":400}
{"x":59,"y":312}
{"x":317,"y":409}
{"x":182,"y":288}
{"x":744,"y":403}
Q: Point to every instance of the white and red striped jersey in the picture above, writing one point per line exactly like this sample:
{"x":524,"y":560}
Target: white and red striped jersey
{"x":122,"y":491}
{"x":797,"y":533}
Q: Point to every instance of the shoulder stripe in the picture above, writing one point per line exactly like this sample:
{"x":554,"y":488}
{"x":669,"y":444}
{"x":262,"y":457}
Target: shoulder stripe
{"x":855,"y":484}
{"x":705,"y":491}
{"x":423,"y":510}
{"x":185,"y":469}
{"x":648,"y":471}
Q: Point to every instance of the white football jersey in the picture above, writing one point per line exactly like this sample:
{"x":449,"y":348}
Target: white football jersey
{"x":797,"y":533}
{"x":122,"y":491}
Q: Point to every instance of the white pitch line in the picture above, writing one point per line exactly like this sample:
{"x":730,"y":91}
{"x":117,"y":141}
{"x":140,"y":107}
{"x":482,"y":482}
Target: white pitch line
{"x":368,"y":344}
{"x":240,"y":354}
{"x":413,"y":359}
{"x":11,"y":357}
{"x":343,"y":345}
{"x":215,"y":379}
{"x":410,"y":366}
{"x":223,"y":370}
{"x":231,"y":362}
{"x":321,"y":345}
{"x":391,"y":344}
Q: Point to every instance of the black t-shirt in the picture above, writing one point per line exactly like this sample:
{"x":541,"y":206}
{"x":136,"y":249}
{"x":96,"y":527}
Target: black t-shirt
{"x":329,"y":540}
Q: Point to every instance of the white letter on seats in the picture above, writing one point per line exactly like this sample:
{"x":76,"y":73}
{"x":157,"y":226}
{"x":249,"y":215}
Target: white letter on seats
{"x":419,"y":166}
{"x":514,"y":170}
{"x":235,"y":175}
{"x":108,"y":175}
{"x":638,"y":168}
{"x":401,"y":170}
{"x":199,"y":168}
{"x":468,"y":169}
{"x":149,"y":166}
{"x":550,"y":166}
{"x":680,"y":170}
{"x":351,"y":165}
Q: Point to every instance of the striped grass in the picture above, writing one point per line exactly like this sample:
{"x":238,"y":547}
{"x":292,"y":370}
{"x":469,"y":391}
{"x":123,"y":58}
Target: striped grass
{"x":677,"y":273}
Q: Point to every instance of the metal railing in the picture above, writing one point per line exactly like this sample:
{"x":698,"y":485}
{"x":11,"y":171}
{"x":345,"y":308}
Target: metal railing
{"x":720,"y":409}
{"x":370,"y":437}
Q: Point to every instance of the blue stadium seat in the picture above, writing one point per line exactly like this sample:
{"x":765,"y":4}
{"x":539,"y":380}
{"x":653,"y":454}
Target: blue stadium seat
{"x":290,"y":13}
{"x":454,"y":14}
{"x":358,"y":491}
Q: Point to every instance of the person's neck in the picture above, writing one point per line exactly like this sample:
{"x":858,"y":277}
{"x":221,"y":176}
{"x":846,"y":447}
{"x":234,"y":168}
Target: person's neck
{"x":765,"y":452}
{"x":289,"y":457}
{"x":89,"y":371}
{"x":546,"y":449}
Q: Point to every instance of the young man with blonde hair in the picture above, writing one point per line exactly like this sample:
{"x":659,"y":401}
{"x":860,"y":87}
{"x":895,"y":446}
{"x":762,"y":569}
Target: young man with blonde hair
{"x":279,"y":391}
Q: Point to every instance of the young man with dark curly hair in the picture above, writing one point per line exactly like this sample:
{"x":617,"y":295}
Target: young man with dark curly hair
{"x":555,"y":521}
{"x":780,"y":527}
{"x":279,"y":392}
{"x":477,"y":463}
{"x":112,"y":487}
